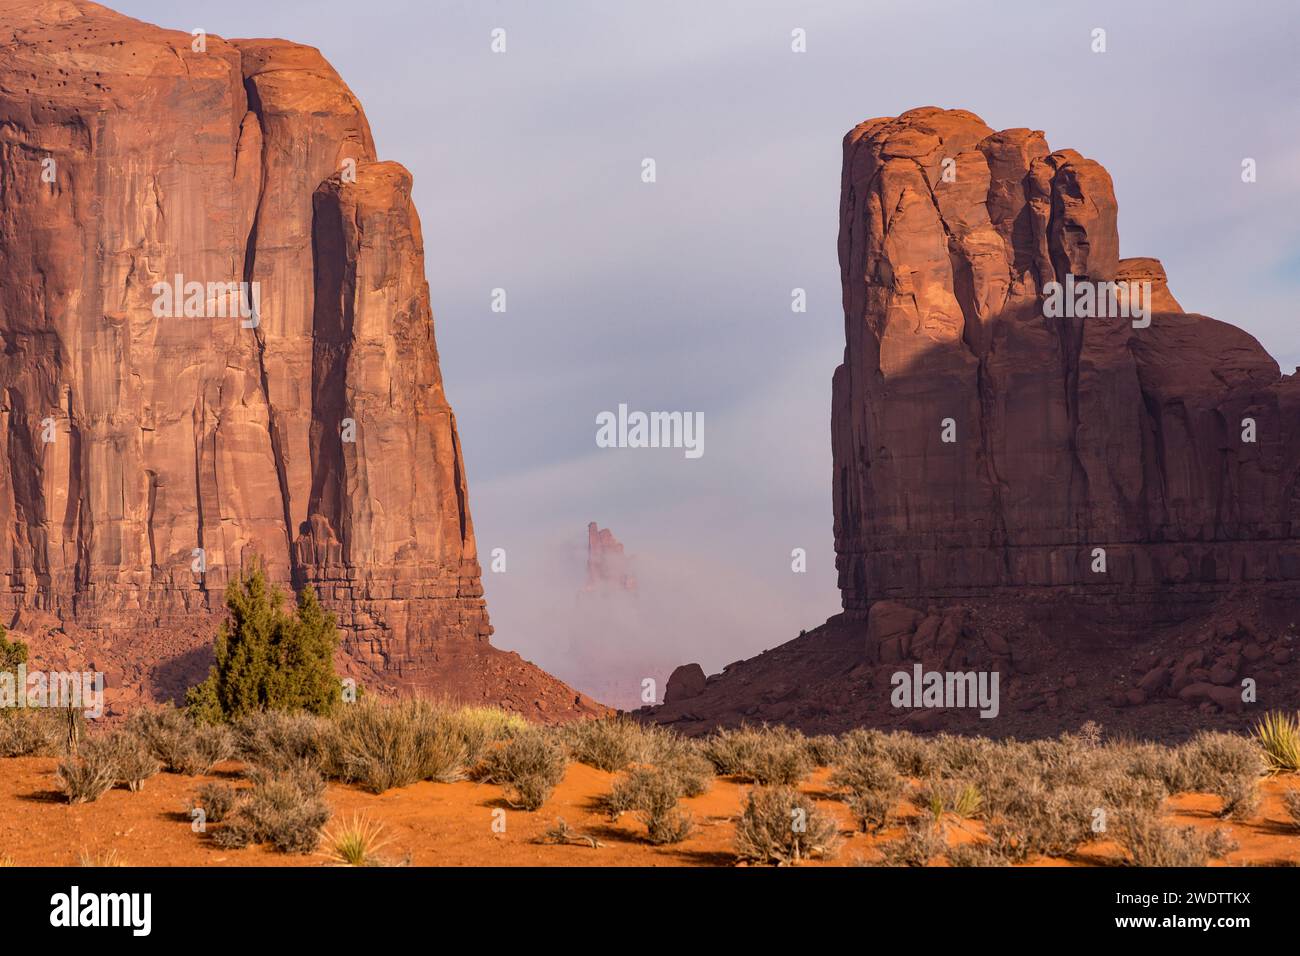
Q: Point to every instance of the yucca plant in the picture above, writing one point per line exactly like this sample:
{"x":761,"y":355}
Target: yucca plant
{"x":1278,"y":735}
{"x":357,"y":842}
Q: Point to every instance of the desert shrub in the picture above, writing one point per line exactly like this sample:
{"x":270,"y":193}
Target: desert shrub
{"x":216,"y":800}
{"x":131,"y":755}
{"x":1226,"y":765}
{"x":976,"y":854}
{"x":85,"y":777}
{"x":1146,"y":761}
{"x":1278,"y":736}
{"x":1151,"y":842}
{"x":285,"y":809}
{"x":386,"y":745}
{"x":731,"y":751}
{"x":1291,"y":801}
{"x":954,"y":756}
{"x":277,"y":740}
{"x":611,"y":743}
{"x":268,"y":659}
{"x":912,"y":756}
{"x":863,"y":742}
{"x":873,"y":786}
{"x":529,"y":766}
{"x":681,"y":757}
{"x":653,"y":793}
{"x":32,"y":733}
{"x":181,"y":745}
{"x":1064,"y":762}
{"x":781,"y":825}
{"x":1037,"y":820}
{"x":655,"y":803}
{"x":1210,"y":757}
{"x":768,"y":756}
{"x":628,"y":791}
{"x":941,"y":796}
{"x":921,"y":843}
{"x":1240,"y":798}
{"x":825,"y":750}
{"x":1122,"y":791}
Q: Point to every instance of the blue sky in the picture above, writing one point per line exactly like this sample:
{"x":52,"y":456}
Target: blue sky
{"x":676,"y":295}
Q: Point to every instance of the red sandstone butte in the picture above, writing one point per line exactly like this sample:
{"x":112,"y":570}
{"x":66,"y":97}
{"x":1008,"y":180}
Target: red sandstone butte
{"x":319,"y":440}
{"x":1072,"y":435}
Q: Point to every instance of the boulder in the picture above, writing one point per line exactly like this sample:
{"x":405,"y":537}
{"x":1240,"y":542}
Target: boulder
{"x":685,"y":682}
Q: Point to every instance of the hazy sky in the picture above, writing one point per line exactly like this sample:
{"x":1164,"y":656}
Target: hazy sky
{"x":676,"y":295}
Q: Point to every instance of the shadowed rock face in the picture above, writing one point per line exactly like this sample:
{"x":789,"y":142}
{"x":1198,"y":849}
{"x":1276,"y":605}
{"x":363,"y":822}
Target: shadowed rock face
{"x":319,"y":439}
{"x":1071,"y":434}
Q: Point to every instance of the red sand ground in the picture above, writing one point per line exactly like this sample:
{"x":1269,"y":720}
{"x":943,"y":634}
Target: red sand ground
{"x":451,"y":825}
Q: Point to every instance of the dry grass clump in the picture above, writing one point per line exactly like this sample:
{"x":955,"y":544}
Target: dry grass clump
{"x":873,"y":786}
{"x":923,"y":841}
{"x":769,"y":756}
{"x":276,"y":740}
{"x":530,"y":766}
{"x":825,"y":750}
{"x":976,"y":854}
{"x":35,"y":732}
{"x":1227,"y":765}
{"x":132,"y":758}
{"x":1151,"y":842}
{"x":382,"y":745}
{"x":479,"y":728}
{"x":88,"y":775}
{"x":781,"y":825}
{"x":286,"y":809}
{"x":681,"y":758}
{"x":100,"y":859}
{"x":103,"y":762}
{"x":181,"y":745}
{"x":610,"y":743}
{"x":963,"y":757}
{"x":1036,"y":821}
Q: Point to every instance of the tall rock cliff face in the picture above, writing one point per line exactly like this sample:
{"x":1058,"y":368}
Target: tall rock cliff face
{"x":285,"y":402}
{"x":1065,"y":435}
{"x":1071,"y":502}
